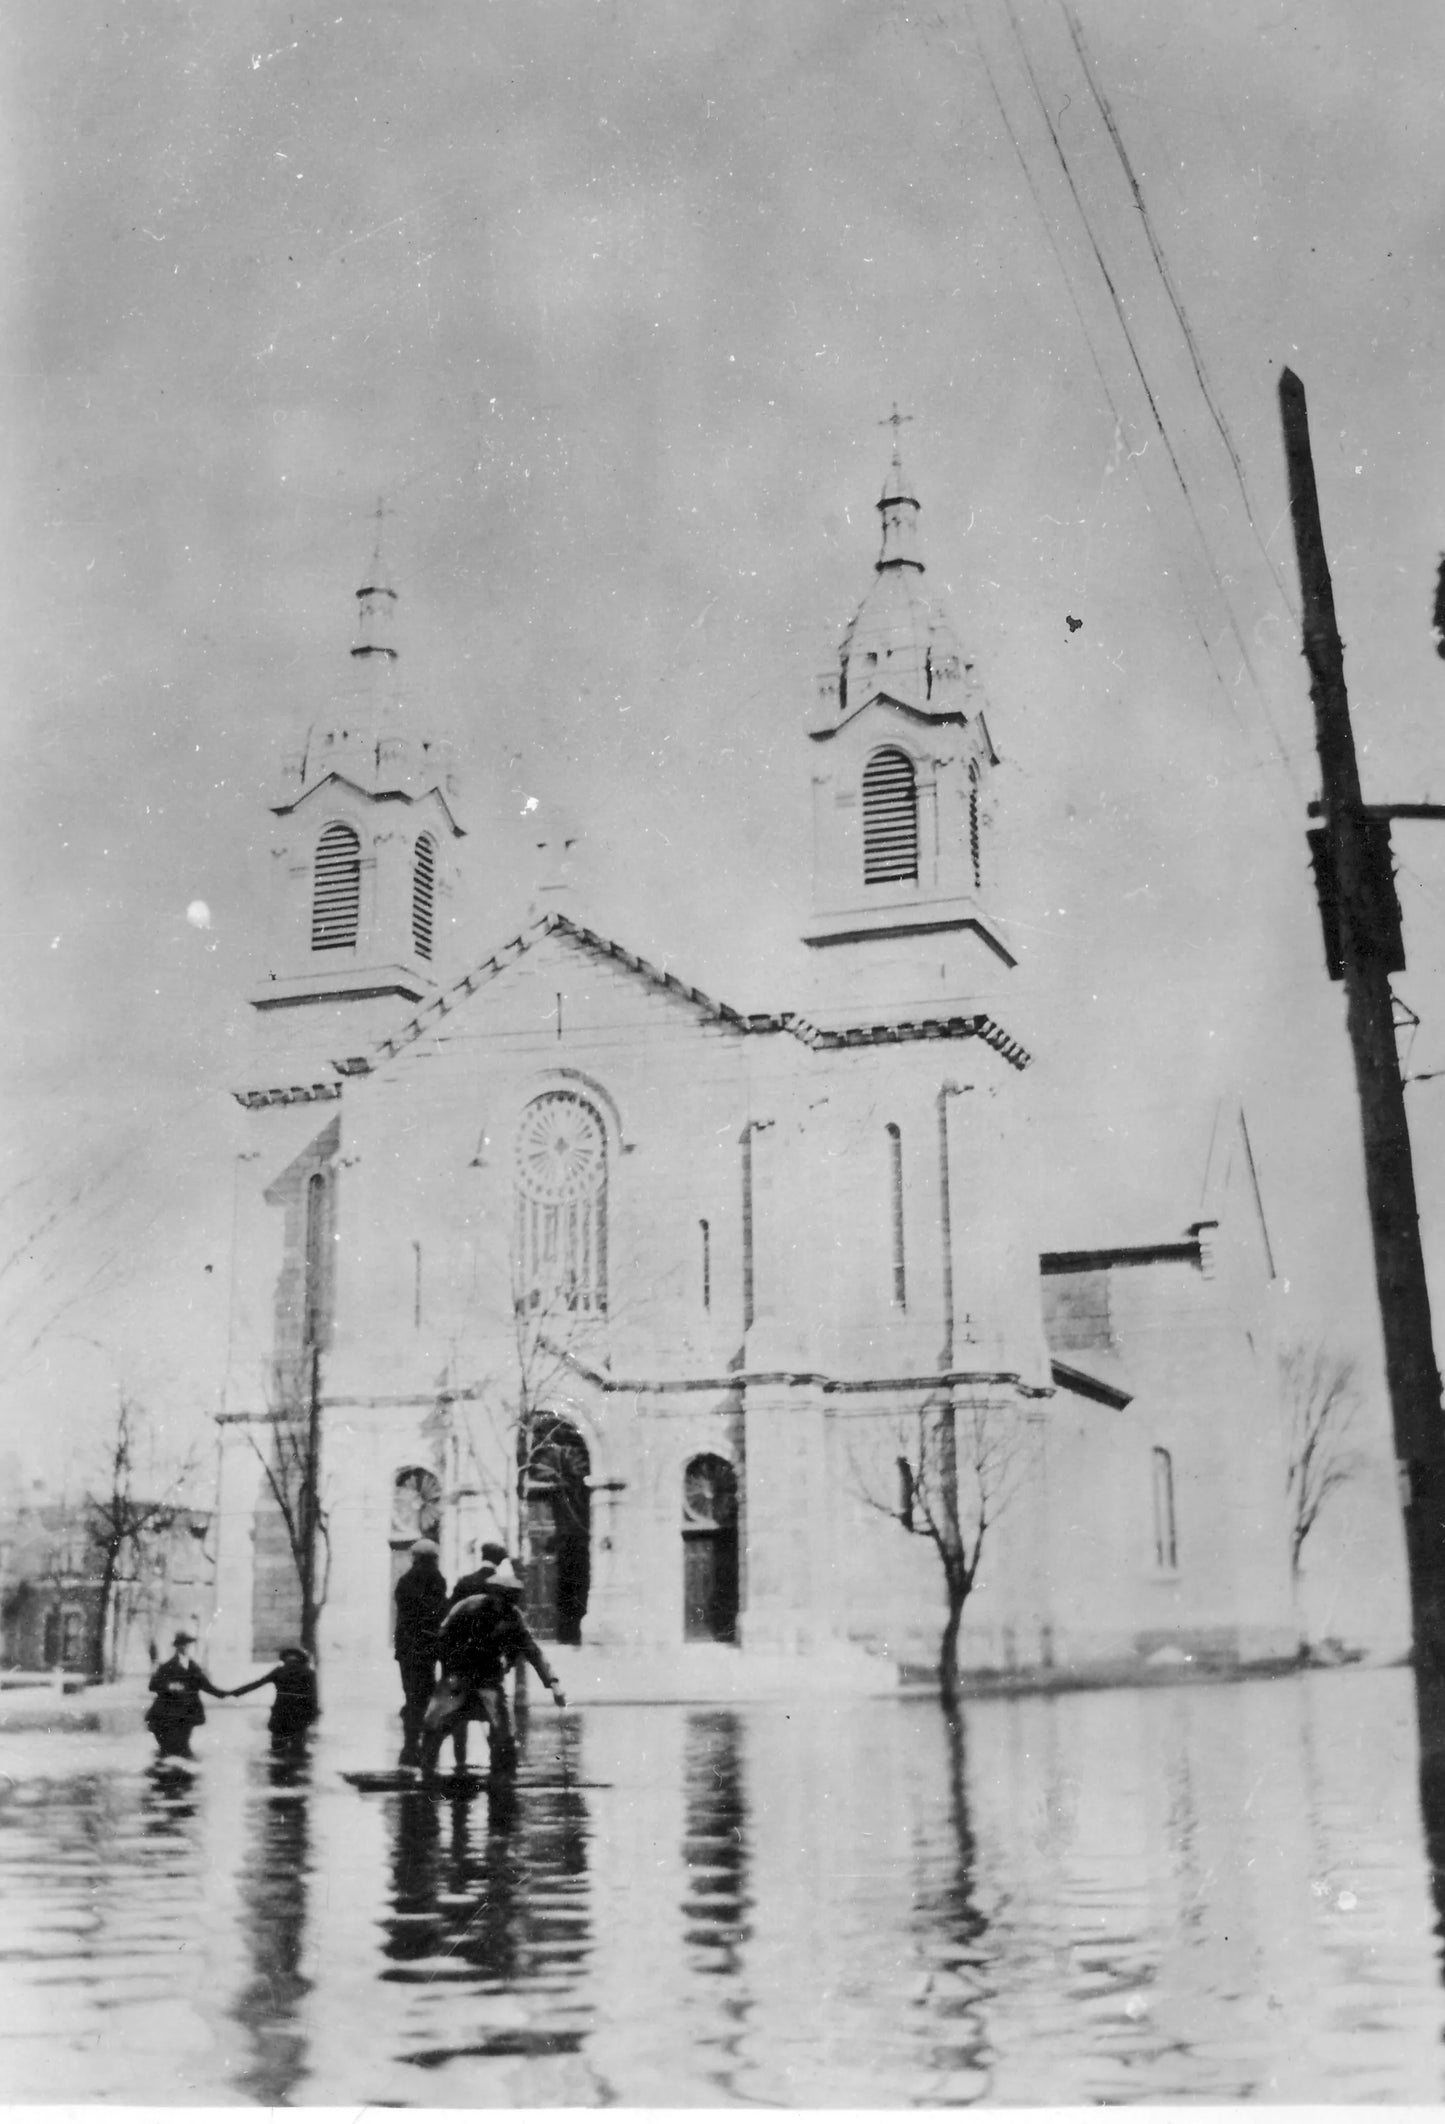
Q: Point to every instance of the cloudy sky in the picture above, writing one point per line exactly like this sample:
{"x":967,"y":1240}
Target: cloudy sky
{"x":609,"y":303}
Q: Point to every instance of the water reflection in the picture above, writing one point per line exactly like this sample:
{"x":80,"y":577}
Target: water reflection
{"x":1173,"y":1895}
{"x":714,"y":1844}
{"x":488,"y":1914}
{"x":947,"y":2013}
{"x":274,"y":1888}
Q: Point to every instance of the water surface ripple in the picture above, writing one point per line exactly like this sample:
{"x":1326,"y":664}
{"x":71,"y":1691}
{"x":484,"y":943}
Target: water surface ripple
{"x":1201,"y":1894}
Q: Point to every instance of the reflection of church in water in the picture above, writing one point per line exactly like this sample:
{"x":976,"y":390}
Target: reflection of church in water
{"x":569,"y":1252}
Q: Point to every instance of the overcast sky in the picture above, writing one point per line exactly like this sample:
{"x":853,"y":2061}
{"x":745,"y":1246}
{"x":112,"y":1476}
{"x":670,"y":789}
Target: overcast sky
{"x":609,"y":302}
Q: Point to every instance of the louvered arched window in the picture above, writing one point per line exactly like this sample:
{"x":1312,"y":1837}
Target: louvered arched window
{"x":890,"y":819}
{"x":423,"y":895}
{"x":336,"y":893}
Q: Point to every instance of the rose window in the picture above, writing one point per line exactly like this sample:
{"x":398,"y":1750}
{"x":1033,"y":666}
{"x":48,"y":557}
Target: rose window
{"x":562,"y":1205}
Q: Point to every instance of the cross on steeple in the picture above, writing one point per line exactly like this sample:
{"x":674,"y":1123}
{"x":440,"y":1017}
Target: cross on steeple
{"x":895,"y":421}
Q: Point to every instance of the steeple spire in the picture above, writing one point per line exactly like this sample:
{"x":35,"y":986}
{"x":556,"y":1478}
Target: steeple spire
{"x":898,"y":507}
{"x":376,"y":606}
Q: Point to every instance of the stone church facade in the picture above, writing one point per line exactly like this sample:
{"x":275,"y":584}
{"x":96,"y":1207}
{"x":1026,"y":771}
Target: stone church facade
{"x":552,"y":1247}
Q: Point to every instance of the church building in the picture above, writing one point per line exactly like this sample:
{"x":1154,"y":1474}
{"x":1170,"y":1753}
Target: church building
{"x":538,"y":1242}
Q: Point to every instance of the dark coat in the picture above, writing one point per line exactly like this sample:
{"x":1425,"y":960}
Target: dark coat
{"x":296,"y":1706}
{"x":177,"y":1686}
{"x":483,"y":1638}
{"x":421,"y":1602}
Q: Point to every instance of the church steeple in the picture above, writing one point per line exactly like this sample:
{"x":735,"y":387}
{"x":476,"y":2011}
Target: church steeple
{"x":900,"y":791}
{"x":364,"y":869}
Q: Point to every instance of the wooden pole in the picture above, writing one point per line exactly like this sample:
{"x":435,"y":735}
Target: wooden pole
{"x":1367,"y":944}
{"x":311,"y":1502}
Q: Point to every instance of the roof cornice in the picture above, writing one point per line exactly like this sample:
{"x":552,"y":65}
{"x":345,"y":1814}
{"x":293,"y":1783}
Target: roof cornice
{"x":974,"y":1025}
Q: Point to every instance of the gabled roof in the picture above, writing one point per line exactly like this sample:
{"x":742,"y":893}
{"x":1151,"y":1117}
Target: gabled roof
{"x":976,"y":1025}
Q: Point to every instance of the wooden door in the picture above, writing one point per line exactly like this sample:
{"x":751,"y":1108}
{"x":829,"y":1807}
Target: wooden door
{"x":709,"y":1550}
{"x":540,"y":1576}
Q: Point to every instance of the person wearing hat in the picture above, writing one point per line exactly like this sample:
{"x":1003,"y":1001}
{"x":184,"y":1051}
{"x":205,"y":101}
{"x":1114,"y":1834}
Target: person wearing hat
{"x":477,"y":1581}
{"x":482,"y":1639}
{"x":295,"y":1707}
{"x":176,"y":1690}
{"x":421,"y":1602}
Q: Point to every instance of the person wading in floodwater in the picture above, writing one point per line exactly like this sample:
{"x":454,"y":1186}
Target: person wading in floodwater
{"x":295,"y":1708}
{"x":482,"y":1639}
{"x":177,"y":1687}
{"x":421,"y":1602}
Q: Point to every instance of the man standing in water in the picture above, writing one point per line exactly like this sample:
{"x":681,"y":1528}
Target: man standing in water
{"x":176,"y":1690}
{"x":482,"y":1639}
{"x":421,"y":1602}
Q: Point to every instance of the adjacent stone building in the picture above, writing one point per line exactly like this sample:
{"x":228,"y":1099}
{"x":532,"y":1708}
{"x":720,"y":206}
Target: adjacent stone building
{"x":550,"y":1245}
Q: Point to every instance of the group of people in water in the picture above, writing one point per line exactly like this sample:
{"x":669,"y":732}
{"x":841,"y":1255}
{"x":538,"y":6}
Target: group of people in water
{"x":476,"y":1634}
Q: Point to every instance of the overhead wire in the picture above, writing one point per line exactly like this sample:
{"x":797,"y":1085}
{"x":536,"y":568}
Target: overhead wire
{"x":1151,"y":398}
{"x":1113,"y":404}
{"x":1176,"y":301}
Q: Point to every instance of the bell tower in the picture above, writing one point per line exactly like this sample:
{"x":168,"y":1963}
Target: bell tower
{"x":362,"y":869}
{"x":901,"y":797}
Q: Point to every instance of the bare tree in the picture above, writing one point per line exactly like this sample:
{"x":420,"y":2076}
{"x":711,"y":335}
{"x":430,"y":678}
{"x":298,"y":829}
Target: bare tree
{"x":124,"y":1528}
{"x":291,"y":1460}
{"x":956,"y":1469}
{"x":515,"y":1441}
{"x":1321,"y":1404}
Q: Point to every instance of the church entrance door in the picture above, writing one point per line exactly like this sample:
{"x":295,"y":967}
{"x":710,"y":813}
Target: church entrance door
{"x":556,"y":1512}
{"x":709,"y":1550}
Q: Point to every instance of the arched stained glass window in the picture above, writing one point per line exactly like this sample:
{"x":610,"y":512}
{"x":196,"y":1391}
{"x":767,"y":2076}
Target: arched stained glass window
{"x":423,"y":895}
{"x":336,"y":889}
{"x":890,"y":819}
{"x":561,"y":1222}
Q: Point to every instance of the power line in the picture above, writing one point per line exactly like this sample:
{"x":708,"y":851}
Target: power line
{"x":1175,"y":299}
{"x":1154,"y":408}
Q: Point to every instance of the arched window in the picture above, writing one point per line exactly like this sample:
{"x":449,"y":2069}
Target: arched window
{"x":890,"y":819}
{"x":423,"y":895}
{"x":709,"y":1492}
{"x":336,"y":891}
{"x":314,"y":1295}
{"x":895,"y":1213}
{"x":561,"y":1221}
{"x":416,"y":1497}
{"x":1166,"y":1546}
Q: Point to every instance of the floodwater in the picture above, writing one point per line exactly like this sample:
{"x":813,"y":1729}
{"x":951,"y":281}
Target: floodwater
{"x":1204,"y":1894}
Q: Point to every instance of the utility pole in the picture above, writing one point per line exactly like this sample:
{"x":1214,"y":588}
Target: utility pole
{"x":310,"y":1499}
{"x":1363,"y":946}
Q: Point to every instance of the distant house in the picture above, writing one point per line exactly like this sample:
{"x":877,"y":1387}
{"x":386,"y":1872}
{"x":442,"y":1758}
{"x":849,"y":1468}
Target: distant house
{"x":52,"y":1581}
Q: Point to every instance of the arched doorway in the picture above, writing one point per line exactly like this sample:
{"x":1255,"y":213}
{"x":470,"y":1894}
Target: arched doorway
{"x":710,"y":1549}
{"x":556,"y":1512}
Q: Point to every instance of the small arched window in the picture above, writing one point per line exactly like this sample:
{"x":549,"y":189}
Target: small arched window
{"x":1166,"y":1540}
{"x":890,"y":819}
{"x":709,"y":1492}
{"x":336,"y":892}
{"x":314,"y":1295}
{"x":895,"y":1213}
{"x":423,"y":895}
